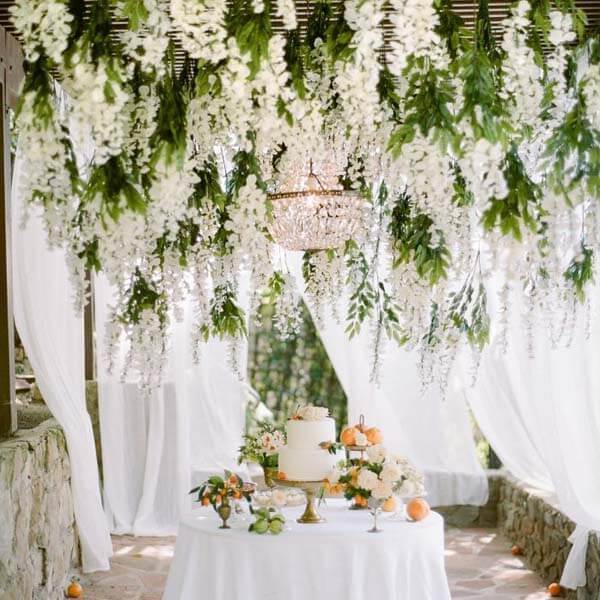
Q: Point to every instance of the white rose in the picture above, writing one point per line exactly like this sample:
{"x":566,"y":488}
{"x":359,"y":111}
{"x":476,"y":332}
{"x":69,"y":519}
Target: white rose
{"x":390,"y":473}
{"x":312,"y":413}
{"x":334,"y":475}
{"x":382,"y":490}
{"x":367,"y":480}
{"x":376,"y":453}
{"x":360,"y":439}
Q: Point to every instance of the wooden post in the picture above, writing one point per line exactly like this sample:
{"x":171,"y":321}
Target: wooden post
{"x":11,"y":75}
{"x":8,"y":407}
{"x":88,"y":332}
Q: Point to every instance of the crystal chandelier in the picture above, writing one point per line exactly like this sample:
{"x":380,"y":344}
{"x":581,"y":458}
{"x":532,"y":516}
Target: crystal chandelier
{"x":314,"y":212}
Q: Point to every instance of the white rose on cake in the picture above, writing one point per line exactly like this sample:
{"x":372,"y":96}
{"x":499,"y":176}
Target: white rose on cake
{"x":367,"y":480}
{"x":377,"y":453}
{"x":312,"y":413}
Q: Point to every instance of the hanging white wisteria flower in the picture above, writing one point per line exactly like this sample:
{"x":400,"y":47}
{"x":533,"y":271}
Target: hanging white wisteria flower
{"x":415,"y":23}
{"x":44,"y":26}
{"x":286,"y":10}
{"x":522,"y":85}
{"x":99,"y":102}
{"x":460,"y":154}
{"x":146,"y":42}
{"x":200,"y":25}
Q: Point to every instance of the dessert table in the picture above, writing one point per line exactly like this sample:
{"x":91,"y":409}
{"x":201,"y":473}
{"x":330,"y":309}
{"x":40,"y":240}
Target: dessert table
{"x":337,"y":560}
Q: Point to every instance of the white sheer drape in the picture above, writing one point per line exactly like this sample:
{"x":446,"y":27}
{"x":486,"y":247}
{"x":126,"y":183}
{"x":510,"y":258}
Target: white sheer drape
{"x":154,"y":449}
{"x":52,"y":335}
{"x":542,"y":416}
{"x":432,"y":431}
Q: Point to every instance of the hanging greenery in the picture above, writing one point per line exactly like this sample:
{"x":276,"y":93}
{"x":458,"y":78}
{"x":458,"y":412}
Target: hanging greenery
{"x":474,"y":156}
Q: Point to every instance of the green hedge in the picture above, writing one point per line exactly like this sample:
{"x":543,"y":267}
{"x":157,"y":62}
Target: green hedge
{"x":294,"y":371}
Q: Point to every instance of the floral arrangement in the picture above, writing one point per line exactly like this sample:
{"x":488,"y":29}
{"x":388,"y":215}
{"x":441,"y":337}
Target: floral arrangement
{"x":263,"y":446}
{"x":267,"y":520}
{"x":310,"y":413}
{"x":217,"y":490}
{"x":380,"y":476}
{"x":474,"y":156}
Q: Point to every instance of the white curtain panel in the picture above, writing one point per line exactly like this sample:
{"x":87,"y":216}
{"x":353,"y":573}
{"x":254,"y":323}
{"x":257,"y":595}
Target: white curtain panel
{"x":52,"y":334}
{"x":154,"y":449}
{"x":542,"y":415}
{"x":433,"y":431}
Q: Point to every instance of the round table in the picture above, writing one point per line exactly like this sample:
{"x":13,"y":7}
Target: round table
{"x":336,"y":560}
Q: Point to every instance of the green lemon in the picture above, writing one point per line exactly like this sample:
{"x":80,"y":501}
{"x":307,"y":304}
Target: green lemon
{"x":276,"y":526}
{"x":261,"y":526}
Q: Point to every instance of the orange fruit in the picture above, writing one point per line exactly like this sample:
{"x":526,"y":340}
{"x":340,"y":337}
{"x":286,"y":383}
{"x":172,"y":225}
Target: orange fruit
{"x":389,"y":505}
{"x":417,"y":509}
{"x":74,"y":590}
{"x":360,"y":501}
{"x":347,"y":436}
{"x":281,"y":475}
{"x":516,"y":551}
{"x":218,"y":499}
{"x":554,"y":589}
{"x":205,"y":501}
{"x":237,"y":494}
{"x":374,"y":435}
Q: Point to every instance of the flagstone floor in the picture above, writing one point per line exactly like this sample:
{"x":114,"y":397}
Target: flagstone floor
{"x":479,"y":565}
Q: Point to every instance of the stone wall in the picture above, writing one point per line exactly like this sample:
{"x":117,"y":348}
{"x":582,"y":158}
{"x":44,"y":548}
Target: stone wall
{"x":533,"y":523}
{"x":38,"y":539}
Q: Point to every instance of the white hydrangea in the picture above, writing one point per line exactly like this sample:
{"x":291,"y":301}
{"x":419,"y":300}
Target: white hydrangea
{"x":44,"y":25}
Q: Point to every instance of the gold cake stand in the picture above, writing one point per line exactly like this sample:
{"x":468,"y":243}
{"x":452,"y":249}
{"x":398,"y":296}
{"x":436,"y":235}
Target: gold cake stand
{"x":311,"y":489}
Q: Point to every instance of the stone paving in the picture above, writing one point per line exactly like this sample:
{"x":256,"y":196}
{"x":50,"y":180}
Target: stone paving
{"x":479,"y":565}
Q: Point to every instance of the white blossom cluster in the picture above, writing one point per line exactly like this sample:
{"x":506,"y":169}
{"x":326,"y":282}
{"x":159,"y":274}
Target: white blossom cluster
{"x":334,"y":122}
{"x":201,"y":27}
{"x":357,"y":79}
{"x":147,"y":45}
{"x":288,"y":314}
{"x":286,"y":10}
{"x":522,"y":85}
{"x":415,"y":23}
{"x":98,"y":108}
{"x":44,"y":26}
{"x":591,"y":92}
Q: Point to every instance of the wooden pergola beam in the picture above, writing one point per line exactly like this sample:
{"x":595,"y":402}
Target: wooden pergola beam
{"x":11,"y":74}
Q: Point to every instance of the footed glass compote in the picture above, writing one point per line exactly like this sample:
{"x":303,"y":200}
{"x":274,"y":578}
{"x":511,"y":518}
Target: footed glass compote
{"x":375,"y":509}
{"x":399,"y":513}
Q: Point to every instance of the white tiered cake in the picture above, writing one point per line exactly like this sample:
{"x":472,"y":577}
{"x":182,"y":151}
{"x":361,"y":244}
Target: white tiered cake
{"x":302,"y":459}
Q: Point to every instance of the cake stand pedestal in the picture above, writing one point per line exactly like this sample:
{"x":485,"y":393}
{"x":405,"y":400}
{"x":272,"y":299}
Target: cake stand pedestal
{"x":310,"y":488}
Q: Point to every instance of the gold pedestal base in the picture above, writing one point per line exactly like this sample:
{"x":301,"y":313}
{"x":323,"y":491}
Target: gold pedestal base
{"x":310,"y":488}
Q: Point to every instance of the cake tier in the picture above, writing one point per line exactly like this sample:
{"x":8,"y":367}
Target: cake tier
{"x":307,"y":435}
{"x":306,"y":465}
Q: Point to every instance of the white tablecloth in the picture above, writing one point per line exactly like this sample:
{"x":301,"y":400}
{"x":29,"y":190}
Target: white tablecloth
{"x":337,"y":560}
